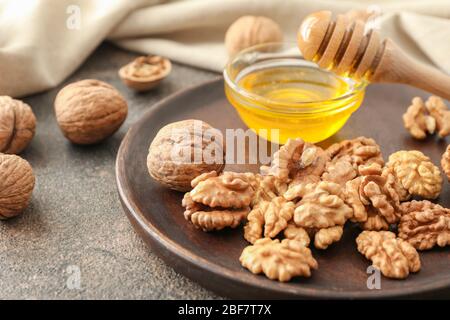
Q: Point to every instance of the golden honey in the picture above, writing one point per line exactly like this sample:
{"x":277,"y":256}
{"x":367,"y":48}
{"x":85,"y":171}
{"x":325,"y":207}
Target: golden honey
{"x":292,"y":96}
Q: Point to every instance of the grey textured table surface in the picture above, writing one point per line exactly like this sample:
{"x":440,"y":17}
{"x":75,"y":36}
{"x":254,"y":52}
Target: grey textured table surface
{"x":75,"y":225}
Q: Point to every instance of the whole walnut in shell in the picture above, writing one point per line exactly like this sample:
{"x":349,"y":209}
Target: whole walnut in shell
{"x":17,"y":125}
{"x":89,"y":111}
{"x":16,"y":185}
{"x":249,"y":31}
{"x":183,"y":150}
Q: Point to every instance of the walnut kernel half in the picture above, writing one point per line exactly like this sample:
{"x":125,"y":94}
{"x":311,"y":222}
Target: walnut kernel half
{"x":394,"y":257}
{"x":425,"y":225}
{"x":416,"y":173}
{"x":417,"y":120}
{"x":268,"y":218}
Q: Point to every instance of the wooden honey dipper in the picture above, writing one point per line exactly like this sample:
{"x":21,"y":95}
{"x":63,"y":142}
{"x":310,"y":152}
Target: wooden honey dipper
{"x":344,"y":47}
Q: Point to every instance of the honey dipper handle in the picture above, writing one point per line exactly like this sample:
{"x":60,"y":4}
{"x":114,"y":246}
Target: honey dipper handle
{"x":396,"y":66}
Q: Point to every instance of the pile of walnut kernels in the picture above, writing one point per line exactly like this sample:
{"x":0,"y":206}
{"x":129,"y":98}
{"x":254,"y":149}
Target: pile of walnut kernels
{"x":306,"y":196}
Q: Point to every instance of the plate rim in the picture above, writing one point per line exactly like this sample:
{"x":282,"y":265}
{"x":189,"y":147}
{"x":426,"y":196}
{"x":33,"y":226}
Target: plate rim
{"x":184,"y":255}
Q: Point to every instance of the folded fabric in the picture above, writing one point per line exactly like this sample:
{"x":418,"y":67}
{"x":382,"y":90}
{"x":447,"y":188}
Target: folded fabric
{"x":43,"y":42}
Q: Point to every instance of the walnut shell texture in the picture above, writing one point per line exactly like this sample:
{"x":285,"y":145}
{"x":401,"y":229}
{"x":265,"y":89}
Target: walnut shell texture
{"x":89,"y":111}
{"x":249,"y":31}
{"x":17,"y":125}
{"x":16,"y":185}
{"x":187,"y":137}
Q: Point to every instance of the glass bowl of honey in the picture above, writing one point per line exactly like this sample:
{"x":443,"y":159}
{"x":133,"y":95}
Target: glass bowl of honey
{"x":280,"y":95}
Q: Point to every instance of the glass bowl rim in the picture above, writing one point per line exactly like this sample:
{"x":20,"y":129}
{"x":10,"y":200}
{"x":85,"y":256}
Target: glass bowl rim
{"x":289,"y":107}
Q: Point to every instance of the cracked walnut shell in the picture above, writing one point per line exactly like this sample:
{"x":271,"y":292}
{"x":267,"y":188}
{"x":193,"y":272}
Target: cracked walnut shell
{"x":417,"y":120}
{"x":278,"y":260}
{"x":248,"y":31}
{"x":145,"y":73}
{"x":268,"y":218}
{"x":416,"y":173}
{"x":424,"y":225}
{"x":89,"y":111}
{"x":172,"y":154}
{"x":322,"y":206}
{"x":210,"y":219}
{"x":17,"y":125}
{"x":16,"y":185}
{"x":394,"y":257}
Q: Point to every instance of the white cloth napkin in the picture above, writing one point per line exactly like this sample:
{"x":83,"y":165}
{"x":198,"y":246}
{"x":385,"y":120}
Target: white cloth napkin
{"x":44,"y":41}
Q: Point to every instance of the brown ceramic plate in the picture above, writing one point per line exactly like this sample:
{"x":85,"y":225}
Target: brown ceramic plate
{"x":211,"y":259}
